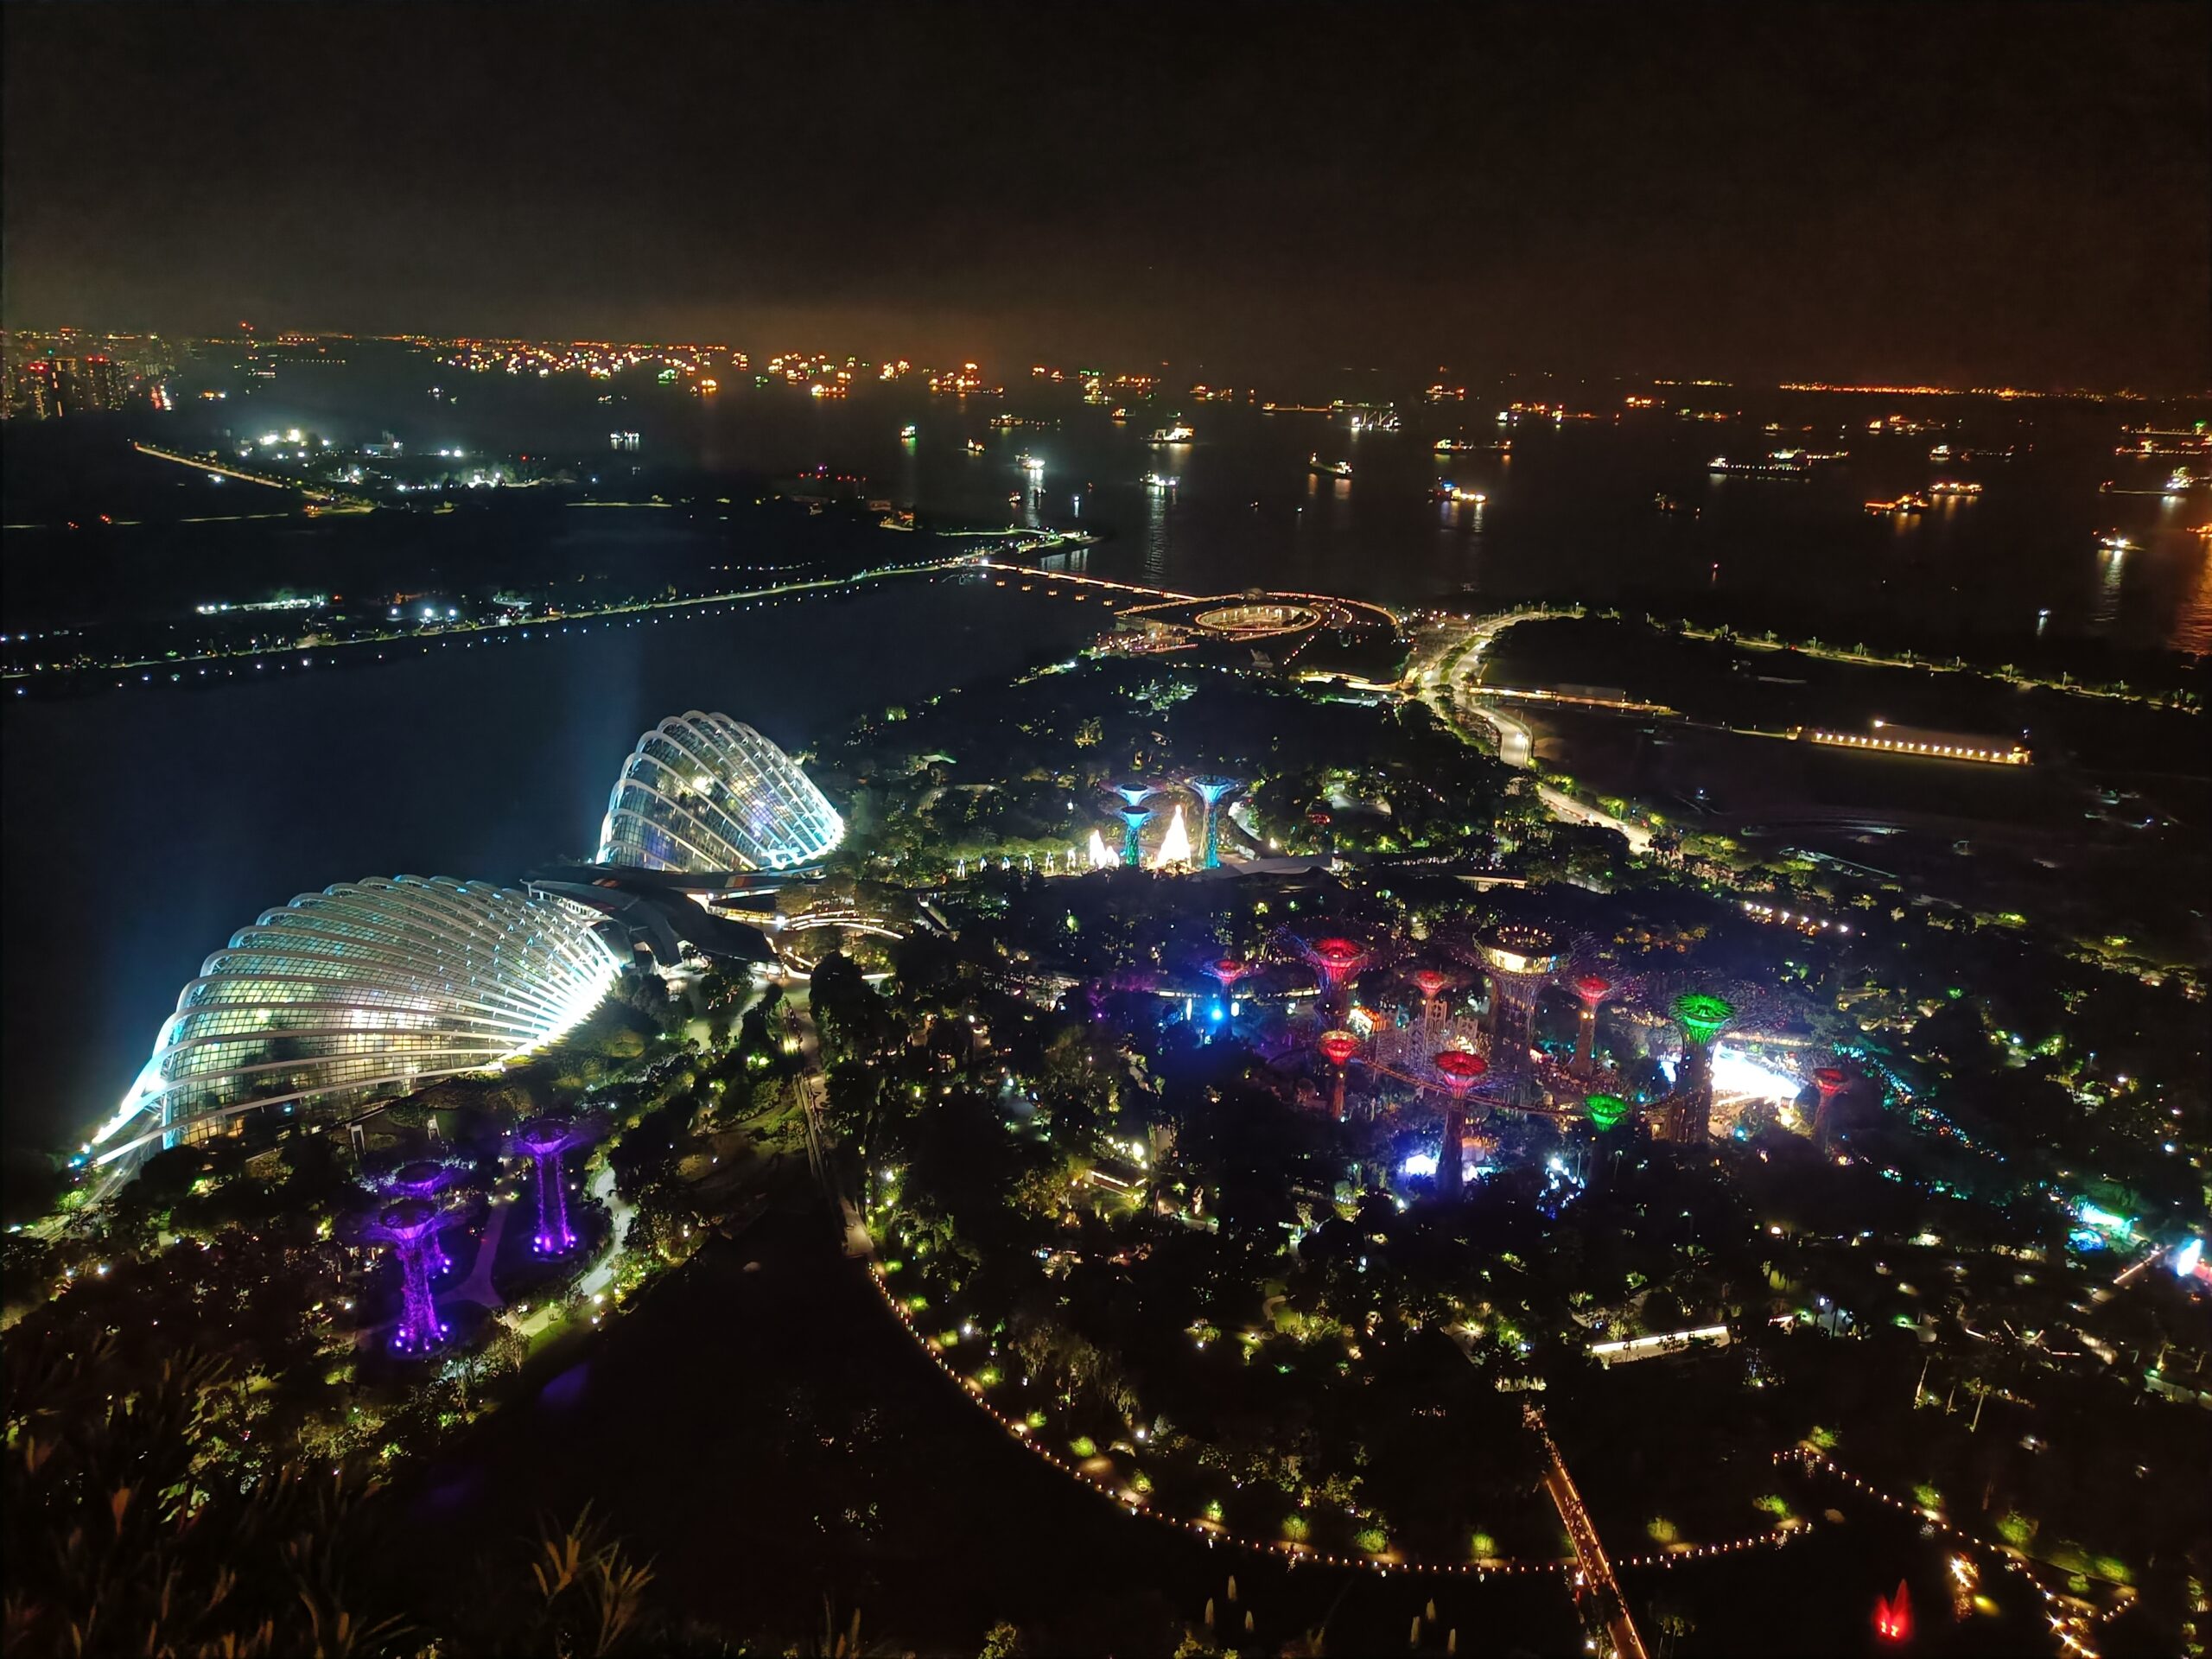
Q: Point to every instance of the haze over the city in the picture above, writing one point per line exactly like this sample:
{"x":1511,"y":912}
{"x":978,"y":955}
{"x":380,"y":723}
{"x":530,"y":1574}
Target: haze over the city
{"x":1968,"y":194}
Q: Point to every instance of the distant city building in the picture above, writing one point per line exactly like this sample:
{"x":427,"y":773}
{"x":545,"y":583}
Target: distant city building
{"x":704,"y":793}
{"x":366,"y":991}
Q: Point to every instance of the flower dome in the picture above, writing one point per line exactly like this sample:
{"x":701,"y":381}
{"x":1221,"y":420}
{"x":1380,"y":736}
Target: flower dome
{"x":366,"y":990}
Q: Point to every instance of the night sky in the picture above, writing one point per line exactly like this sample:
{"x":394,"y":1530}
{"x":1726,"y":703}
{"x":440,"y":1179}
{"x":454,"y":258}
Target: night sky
{"x":1949,"y":193}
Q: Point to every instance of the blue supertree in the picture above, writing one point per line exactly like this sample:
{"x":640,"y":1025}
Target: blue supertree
{"x":1211,"y":790}
{"x":1132,"y":851}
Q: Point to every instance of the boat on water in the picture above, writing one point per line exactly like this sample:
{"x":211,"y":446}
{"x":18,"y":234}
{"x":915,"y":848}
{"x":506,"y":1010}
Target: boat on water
{"x":1118,"y":413}
{"x":1953,"y":486}
{"x":1160,"y":481}
{"x":1173,"y":432}
{"x":1912,"y":501}
{"x":1448,"y":490}
{"x":1456,"y":446}
{"x":1329,"y":468}
{"x":974,"y":446}
{"x":909,"y":433}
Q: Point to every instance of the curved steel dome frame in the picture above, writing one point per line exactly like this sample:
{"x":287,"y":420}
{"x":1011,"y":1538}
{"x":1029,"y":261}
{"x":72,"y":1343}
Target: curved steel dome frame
{"x":706,"y":792}
{"x":367,"y":990}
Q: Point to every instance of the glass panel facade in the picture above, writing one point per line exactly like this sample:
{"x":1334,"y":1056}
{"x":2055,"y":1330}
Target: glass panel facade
{"x":368,"y":988}
{"x":704,"y":793}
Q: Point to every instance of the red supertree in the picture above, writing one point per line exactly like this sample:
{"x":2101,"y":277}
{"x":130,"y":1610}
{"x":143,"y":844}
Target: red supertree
{"x":1591,"y":989}
{"x":1458,"y":1071}
{"x":1226,"y":971}
{"x":1831,"y":1081}
{"x":1430,"y":983}
{"x":1338,"y":1047}
{"x":1335,"y":959}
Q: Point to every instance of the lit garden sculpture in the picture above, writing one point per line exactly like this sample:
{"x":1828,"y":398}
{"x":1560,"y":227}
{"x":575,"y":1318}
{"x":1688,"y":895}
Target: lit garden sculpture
{"x":1702,"y":1018}
{"x":411,"y":1227}
{"x":1519,"y":959}
{"x":1591,"y":990}
{"x":543,"y":1140}
{"x":1337,"y":1048}
{"x":1210,"y":791}
{"x":1458,"y":1071}
{"x":1174,"y":849}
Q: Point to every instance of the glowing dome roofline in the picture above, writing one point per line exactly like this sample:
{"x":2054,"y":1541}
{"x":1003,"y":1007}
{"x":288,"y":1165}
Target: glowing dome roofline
{"x":705,"y":792}
{"x":362,"y":990}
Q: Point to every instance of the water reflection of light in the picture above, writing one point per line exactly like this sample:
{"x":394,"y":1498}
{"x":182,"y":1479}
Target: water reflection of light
{"x":2104,"y":607}
{"x":2192,"y":629}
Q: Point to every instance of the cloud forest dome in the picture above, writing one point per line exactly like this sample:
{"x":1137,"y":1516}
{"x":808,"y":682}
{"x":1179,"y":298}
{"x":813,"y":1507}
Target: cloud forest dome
{"x":705,"y":792}
{"x":368,"y":988}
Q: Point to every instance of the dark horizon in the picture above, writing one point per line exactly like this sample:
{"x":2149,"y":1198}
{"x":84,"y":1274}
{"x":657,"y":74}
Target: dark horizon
{"x":1963,"y":196}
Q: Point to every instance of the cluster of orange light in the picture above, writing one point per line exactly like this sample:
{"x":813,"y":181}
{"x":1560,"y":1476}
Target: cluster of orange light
{"x":2011,"y":757}
{"x":1441,"y":392}
{"x":966,"y":379}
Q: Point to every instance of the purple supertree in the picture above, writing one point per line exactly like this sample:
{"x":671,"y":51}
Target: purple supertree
{"x":425,"y":1178}
{"x":410,"y":1226}
{"x":543,"y":1141}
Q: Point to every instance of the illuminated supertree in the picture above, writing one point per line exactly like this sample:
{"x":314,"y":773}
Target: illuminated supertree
{"x":1831,"y":1081}
{"x":425,"y":1178}
{"x":1519,"y":959}
{"x":1134,"y":796}
{"x":1133,"y":820}
{"x":1591,"y":990}
{"x":1458,"y":1071}
{"x":1430,"y":983}
{"x":1338,"y":1047}
{"x":1607,"y":1111}
{"x":410,"y":1226}
{"x":1702,"y":1017}
{"x":1210,"y":791}
{"x":1226,"y":971}
{"x":1336,"y":960}
{"x":543,"y":1141}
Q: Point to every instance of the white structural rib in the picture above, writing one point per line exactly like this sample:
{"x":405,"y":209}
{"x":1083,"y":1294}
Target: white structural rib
{"x":368,"y":988}
{"x":704,"y":793}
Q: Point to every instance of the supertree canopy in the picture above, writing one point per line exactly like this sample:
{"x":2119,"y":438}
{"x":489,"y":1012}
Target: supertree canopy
{"x":1226,"y":971}
{"x":1606,"y":1110}
{"x":1702,"y":1016}
{"x":1338,"y":959}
